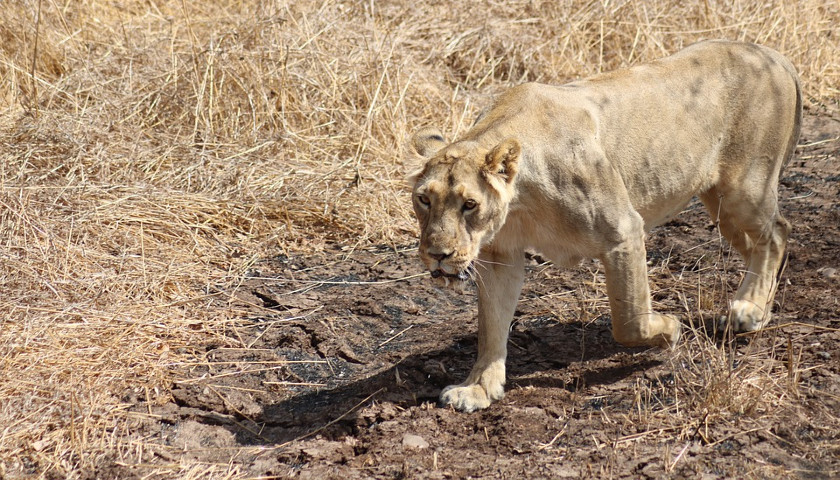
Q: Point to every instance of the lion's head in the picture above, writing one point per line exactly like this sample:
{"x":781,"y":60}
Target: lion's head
{"x":461,"y":198}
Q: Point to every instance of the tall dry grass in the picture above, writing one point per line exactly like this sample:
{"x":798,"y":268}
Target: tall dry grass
{"x":152,"y":151}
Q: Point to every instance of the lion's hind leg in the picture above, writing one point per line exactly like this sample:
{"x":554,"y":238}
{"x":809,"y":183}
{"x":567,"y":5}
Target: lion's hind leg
{"x":759,"y":232}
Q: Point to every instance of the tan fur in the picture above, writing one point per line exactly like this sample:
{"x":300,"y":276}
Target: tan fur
{"x":586,"y":169}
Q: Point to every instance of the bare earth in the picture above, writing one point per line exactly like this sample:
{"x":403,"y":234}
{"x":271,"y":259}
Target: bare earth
{"x":351,"y":348}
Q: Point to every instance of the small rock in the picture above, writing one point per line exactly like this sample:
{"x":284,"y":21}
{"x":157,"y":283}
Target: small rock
{"x":414,"y":441}
{"x":824,"y":355}
{"x":828,"y":272}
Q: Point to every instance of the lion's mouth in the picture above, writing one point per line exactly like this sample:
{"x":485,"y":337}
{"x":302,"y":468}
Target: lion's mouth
{"x":461,"y":276}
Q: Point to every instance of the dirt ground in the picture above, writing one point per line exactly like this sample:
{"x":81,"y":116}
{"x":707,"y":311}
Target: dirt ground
{"x":349,"y":350}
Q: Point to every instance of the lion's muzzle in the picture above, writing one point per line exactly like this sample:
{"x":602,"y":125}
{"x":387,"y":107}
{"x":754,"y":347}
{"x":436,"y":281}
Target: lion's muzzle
{"x":461,"y":276}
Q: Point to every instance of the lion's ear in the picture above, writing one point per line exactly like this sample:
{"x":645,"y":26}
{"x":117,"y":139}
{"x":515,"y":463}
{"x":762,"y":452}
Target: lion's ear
{"x":504,"y":159}
{"x":427,"y":142}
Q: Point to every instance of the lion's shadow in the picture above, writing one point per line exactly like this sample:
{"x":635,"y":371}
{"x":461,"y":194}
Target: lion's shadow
{"x":534,"y":357}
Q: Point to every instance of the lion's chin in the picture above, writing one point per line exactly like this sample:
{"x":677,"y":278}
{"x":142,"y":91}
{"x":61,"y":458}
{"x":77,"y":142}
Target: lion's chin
{"x":459,"y":282}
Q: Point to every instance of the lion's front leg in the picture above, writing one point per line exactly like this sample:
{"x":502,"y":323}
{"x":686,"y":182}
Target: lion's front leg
{"x":499,"y":278}
{"x":634,"y":322}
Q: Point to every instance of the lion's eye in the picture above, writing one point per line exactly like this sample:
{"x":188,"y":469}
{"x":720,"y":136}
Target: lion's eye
{"x":470,"y":204}
{"x":424,"y":200}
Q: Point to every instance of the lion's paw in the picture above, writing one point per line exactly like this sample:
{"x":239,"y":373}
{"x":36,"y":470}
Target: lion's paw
{"x":654,"y":330}
{"x":672,"y":332}
{"x":746,"y":316}
{"x":469,"y":398}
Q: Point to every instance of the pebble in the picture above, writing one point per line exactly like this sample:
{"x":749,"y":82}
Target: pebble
{"x":414,"y":441}
{"x":828,"y":272}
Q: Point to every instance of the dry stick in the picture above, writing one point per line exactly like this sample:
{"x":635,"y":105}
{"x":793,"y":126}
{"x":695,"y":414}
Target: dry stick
{"x":190,"y":381}
{"x":789,"y":324}
{"x":34,"y":98}
{"x":254,"y":362}
{"x":544,"y":446}
{"x":640,"y":435}
{"x":703,"y":422}
{"x":239,"y":389}
{"x":395,"y":336}
{"x":812,"y":144}
{"x":268,"y":325}
{"x":674,"y":463}
{"x":296,"y":384}
{"x":343,"y":282}
{"x":312,"y":284}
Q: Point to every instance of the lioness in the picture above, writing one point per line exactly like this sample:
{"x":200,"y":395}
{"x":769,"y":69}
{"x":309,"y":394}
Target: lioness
{"x":586,"y":169}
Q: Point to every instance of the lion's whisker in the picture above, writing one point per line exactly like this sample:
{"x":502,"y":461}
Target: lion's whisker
{"x":482,"y":262}
{"x":477,"y":278}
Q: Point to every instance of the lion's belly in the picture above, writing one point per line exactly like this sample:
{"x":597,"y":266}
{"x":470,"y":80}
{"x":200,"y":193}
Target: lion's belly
{"x":658,"y":202}
{"x":657,"y":215}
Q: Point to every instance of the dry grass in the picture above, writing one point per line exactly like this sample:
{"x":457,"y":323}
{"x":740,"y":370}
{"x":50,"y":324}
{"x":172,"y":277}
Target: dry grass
{"x":151,"y":151}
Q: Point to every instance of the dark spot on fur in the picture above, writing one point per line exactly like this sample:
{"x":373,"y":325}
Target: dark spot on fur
{"x":600,"y":101}
{"x":603,"y":102}
{"x":696,"y":87}
{"x":581,"y":185}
